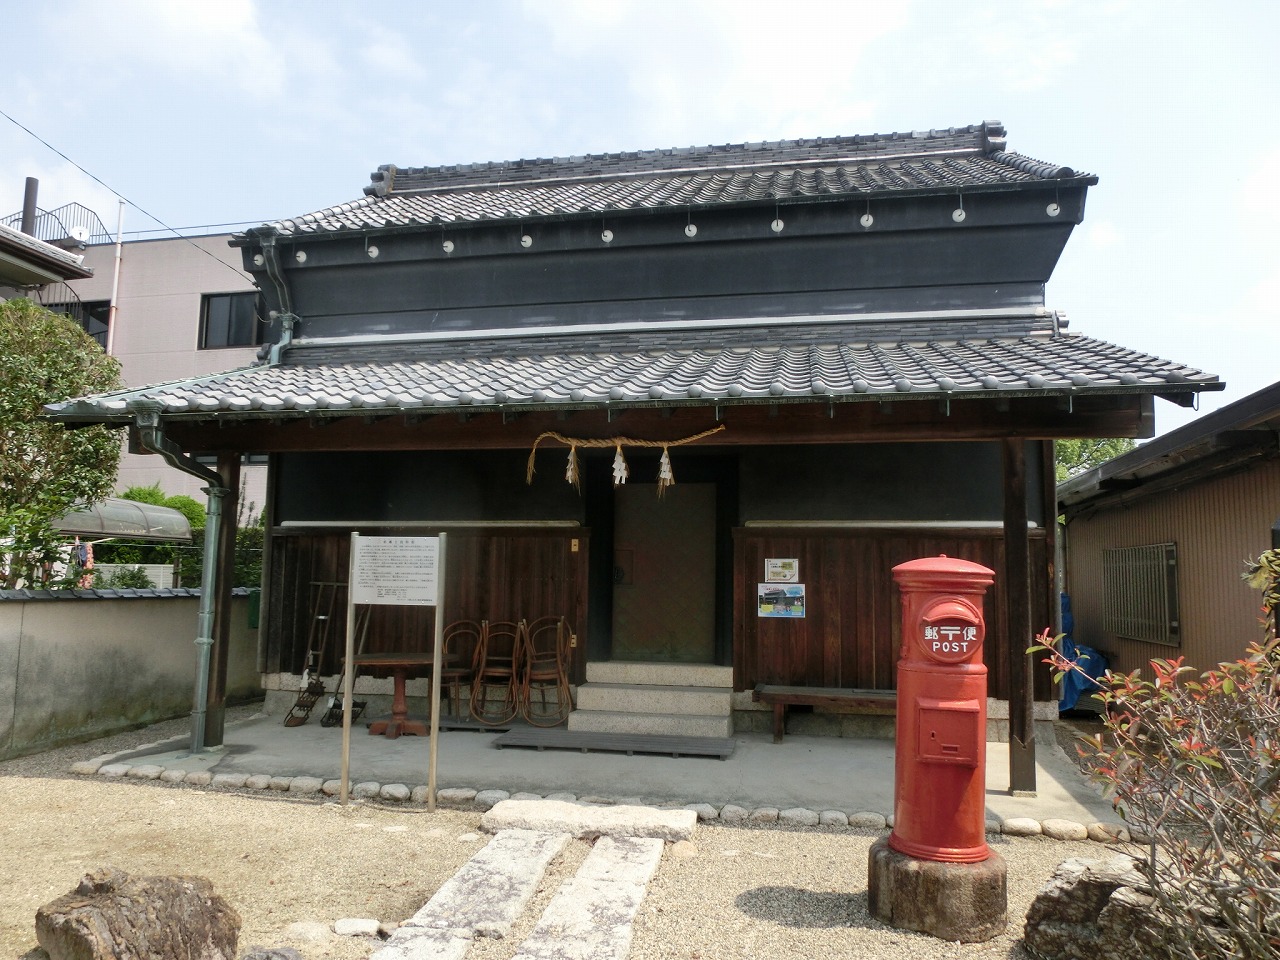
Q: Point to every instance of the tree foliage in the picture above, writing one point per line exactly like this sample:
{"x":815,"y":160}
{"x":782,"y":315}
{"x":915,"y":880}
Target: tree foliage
{"x":1192,"y":762}
{"x":1074,"y":457}
{"x":46,"y":468}
{"x":189,"y":507}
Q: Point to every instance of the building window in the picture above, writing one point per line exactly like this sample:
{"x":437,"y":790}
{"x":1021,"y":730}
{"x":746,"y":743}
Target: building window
{"x":230,"y":320}
{"x":1141,"y":590}
{"x":92,"y":315}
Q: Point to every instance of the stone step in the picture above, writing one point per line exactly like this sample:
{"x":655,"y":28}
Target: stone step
{"x":612,"y":721}
{"x":660,"y":674}
{"x":645,"y":698}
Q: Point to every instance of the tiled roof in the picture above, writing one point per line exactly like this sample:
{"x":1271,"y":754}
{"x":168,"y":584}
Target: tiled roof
{"x":769,"y":363}
{"x":936,"y":161}
{"x":103,"y":593}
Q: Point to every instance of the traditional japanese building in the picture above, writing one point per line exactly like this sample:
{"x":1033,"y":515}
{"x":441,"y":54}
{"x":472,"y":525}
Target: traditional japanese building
{"x":698,"y":401}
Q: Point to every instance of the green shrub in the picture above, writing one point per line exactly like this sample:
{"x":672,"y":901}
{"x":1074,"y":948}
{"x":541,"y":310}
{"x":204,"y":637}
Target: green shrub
{"x":124,"y":578}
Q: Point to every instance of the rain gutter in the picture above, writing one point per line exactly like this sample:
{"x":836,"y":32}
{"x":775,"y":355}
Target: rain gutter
{"x":151,"y":436}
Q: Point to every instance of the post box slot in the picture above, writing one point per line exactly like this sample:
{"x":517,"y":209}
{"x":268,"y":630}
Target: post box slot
{"x":948,"y":731}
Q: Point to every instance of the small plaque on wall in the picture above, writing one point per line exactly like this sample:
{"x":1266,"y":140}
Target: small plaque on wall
{"x":781,"y":570}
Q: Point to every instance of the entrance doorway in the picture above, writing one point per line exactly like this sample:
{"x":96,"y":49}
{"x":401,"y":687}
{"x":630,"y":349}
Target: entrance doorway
{"x":664,"y":573}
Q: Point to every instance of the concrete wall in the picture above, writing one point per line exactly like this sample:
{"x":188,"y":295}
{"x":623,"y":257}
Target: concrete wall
{"x":158,"y":332}
{"x":76,"y":668}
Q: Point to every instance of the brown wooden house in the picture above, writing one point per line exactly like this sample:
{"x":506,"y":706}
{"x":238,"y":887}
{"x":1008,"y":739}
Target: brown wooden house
{"x":1156,"y":538}
{"x":840,"y":345}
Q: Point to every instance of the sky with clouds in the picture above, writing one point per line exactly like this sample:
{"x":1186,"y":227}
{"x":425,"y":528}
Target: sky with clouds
{"x":243,"y":111}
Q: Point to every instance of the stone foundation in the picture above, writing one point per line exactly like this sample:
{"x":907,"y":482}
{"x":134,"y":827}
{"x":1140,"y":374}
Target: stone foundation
{"x":966,"y":902}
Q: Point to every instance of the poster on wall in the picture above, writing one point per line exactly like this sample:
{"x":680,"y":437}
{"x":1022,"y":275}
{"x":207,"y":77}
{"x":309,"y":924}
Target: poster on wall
{"x":775,"y":600}
{"x":781,"y":570}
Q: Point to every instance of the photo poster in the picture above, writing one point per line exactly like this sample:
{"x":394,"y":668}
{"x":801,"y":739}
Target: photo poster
{"x":780,"y":600}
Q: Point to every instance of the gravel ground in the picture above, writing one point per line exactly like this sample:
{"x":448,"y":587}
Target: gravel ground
{"x":292,"y":867}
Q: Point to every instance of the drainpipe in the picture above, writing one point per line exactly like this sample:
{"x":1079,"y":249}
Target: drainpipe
{"x":146,"y":414}
{"x":275,"y":273}
{"x":115,"y":282}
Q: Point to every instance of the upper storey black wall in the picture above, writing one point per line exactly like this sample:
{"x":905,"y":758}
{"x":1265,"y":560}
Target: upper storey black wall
{"x":915,"y":256}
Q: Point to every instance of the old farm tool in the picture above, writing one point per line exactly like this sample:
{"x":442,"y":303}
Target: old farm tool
{"x":333,"y":716}
{"x":325,"y":606}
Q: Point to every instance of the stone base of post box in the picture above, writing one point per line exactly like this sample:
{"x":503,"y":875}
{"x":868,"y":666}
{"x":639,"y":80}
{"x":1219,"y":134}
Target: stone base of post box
{"x":952,"y":901}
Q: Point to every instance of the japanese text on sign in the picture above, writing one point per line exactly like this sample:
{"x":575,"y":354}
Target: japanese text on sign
{"x":394,"y":570}
{"x":950,"y":639}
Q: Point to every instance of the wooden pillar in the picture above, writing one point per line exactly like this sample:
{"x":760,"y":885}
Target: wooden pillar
{"x":1017,"y":592}
{"x":215,"y":702}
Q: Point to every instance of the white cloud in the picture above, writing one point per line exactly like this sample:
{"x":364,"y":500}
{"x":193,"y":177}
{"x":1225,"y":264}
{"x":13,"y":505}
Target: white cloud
{"x":220,"y":42}
{"x":722,"y":69}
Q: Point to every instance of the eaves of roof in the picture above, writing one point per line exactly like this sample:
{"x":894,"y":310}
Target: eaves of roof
{"x":1233,"y":434}
{"x":967,"y":159}
{"x":822,"y":360}
{"x":26,"y":261}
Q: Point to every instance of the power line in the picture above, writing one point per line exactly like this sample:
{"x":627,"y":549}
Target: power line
{"x":239,"y":273}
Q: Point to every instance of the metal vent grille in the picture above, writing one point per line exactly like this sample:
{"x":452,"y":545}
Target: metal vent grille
{"x":1141,"y":585}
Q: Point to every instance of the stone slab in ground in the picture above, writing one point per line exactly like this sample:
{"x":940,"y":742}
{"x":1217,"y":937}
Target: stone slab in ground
{"x":590,"y":916}
{"x":555,"y":816}
{"x":489,"y":892}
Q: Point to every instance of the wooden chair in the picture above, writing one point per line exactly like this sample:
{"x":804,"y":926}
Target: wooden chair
{"x":461,"y":650}
{"x":544,"y":668}
{"x":495,"y":688}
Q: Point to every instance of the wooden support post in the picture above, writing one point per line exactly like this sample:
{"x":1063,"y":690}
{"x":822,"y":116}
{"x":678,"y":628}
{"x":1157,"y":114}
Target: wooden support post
{"x":1017,"y":592}
{"x":216,"y":701}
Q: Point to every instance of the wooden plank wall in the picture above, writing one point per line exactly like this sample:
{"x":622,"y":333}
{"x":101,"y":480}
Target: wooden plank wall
{"x":851,"y":633}
{"x":491,"y":575}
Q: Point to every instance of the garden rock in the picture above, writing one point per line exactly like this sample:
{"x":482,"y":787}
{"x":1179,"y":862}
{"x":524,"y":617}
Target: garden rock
{"x":113,"y":916}
{"x":1093,"y":908}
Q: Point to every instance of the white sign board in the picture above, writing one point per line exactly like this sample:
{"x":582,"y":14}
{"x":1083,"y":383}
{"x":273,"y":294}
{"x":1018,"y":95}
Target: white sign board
{"x":395,"y":570}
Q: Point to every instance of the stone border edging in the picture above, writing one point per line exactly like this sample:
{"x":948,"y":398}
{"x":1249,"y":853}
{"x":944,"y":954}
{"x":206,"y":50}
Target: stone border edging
{"x":464,"y":797}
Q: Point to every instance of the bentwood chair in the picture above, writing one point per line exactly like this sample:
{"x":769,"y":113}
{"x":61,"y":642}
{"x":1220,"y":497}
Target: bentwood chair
{"x":495,"y":687}
{"x":461,"y":651}
{"x":544,"y":670}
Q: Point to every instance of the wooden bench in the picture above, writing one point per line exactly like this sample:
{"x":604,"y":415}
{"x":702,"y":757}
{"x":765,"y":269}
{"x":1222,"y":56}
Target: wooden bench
{"x":836,"y":699}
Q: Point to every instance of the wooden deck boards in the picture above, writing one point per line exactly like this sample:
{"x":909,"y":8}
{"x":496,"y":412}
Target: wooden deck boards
{"x":628,"y":743}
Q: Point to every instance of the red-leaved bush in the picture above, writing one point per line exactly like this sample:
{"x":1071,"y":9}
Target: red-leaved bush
{"x":1192,"y":763}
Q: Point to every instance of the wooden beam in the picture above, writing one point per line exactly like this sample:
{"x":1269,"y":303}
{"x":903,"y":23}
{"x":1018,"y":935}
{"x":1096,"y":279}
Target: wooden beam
{"x":216,"y":700}
{"x":793,"y":423}
{"x":1017,"y":593}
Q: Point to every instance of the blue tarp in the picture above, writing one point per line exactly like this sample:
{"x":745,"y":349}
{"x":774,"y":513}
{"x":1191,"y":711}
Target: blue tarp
{"x":1094,"y":664}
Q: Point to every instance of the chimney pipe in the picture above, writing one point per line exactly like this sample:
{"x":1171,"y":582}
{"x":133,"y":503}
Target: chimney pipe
{"x":29,"y":206}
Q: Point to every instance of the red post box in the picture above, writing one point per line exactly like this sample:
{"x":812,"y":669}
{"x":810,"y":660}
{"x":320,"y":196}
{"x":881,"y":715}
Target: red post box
{"x":939,"y":808}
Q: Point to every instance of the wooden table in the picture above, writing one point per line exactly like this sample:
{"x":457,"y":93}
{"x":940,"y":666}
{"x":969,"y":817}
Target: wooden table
{"x":401,"y":667}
